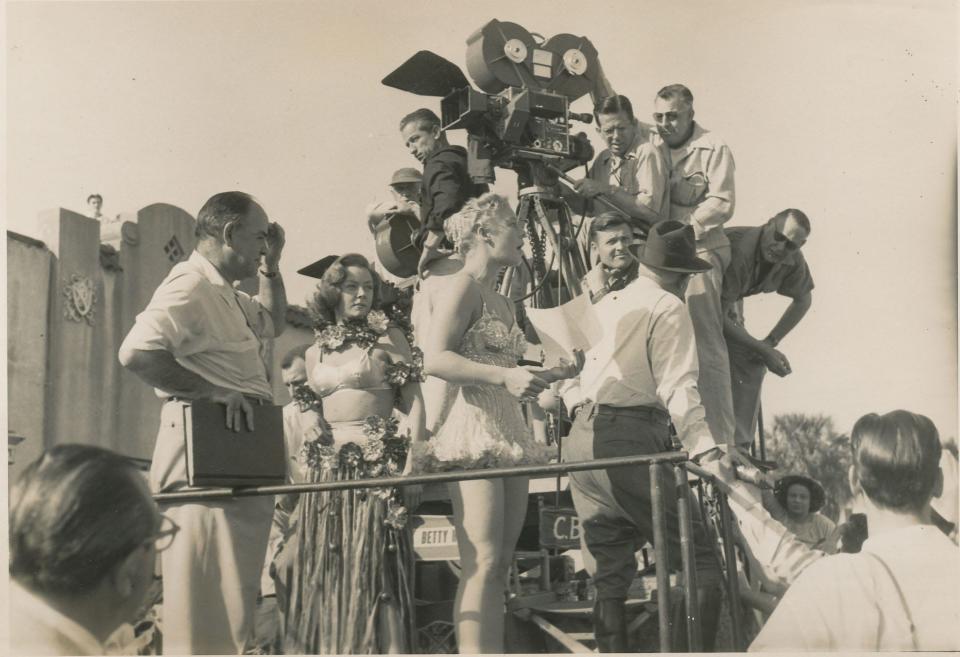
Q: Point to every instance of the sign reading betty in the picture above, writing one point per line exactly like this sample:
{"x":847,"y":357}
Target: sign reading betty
{"x":434,"y":538}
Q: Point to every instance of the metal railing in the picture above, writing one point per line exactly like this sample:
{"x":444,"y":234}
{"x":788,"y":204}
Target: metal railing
{"x":660,"y":465}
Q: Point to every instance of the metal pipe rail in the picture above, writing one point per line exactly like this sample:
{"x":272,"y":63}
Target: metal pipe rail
{"x":729,"y":556}
{"x":660,"y":465}
{"x":532,"y":471}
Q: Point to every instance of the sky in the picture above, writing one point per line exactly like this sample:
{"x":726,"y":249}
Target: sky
{"x":846,"y":110}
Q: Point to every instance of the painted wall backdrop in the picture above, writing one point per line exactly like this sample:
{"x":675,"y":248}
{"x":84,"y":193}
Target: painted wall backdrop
{"x":846,"y":110}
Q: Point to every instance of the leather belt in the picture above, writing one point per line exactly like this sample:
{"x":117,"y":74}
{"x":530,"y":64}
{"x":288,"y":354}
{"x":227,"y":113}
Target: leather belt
{"x":641,"y":412}
{"x":259,"y":401}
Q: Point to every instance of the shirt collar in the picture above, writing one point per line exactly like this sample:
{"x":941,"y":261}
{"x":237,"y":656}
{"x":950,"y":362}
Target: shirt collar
{"x":211,"y":273}
{"x":696,"y":141}
{"x":910,"y":535}
{"x":36,"y":608}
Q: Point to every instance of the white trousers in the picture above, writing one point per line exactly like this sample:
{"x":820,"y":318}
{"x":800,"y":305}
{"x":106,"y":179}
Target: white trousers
{"x":211,"y":571}
{"x":706,"y":312}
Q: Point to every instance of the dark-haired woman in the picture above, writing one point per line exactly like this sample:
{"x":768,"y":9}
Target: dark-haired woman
{"x":349,"y":563}
{"x":800,"y":499}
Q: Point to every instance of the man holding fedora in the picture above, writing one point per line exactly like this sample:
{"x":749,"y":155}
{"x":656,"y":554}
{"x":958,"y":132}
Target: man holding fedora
{"x":639,"y":377}
{"x":405,"y":197}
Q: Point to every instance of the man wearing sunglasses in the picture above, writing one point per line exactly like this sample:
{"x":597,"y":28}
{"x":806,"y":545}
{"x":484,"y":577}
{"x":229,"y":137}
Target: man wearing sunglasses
{"x":763,"y":259}
{"x":84,"y":537}
{"x":701,"y":181}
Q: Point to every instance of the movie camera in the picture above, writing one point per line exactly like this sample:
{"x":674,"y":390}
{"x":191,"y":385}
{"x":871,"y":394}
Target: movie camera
{"x":521,"y":114}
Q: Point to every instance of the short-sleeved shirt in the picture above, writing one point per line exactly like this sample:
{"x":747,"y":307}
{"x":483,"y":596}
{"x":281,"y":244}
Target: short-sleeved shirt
{"x":642,"y":172}
{"x":745,"y":275}
{"x":814,"y":530}
{"x":211,"y":329}
{"x":702,"y":191}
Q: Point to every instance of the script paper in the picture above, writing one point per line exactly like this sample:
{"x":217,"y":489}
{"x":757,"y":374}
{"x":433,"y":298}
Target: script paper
{"x":574,"y":325}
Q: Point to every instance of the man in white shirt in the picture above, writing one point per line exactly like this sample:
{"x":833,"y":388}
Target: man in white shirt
{"x":638,"y":378}
{"x":200,"y":338}
{"x":84,"y":535}
{"x":900,"y":591}
{"x":702,"y":194}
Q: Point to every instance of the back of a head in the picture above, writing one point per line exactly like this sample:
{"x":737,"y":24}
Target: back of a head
{"x":75,"y":513}
{"x":896,"y":457}
{"x":220,"y":210}
{"x":462,"y":228}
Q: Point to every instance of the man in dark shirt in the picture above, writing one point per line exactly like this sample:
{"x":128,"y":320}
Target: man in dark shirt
{"x":763,"y":259}
{"x":446,"y":181}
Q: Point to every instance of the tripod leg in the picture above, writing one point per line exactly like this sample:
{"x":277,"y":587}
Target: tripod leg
{"x":566,"y":267}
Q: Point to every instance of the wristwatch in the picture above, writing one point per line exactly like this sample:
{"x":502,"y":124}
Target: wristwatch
{"x":270,"y":274}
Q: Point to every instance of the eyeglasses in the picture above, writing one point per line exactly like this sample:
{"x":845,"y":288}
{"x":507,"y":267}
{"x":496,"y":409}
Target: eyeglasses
{"x":163,"y":537}
{"x":669,"y":116}
{"x":780,"y":237}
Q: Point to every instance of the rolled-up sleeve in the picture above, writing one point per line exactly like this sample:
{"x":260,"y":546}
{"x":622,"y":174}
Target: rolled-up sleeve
{"x":673,"y":361}
{"x":651,"y":177}
{"x":172,"y":321}
{"x":719,"y":199}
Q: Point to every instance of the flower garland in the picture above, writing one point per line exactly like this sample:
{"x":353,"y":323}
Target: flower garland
{"x":362,"y":332}
{"x":398,"y":374}
{"x":384,"y":453}
{"x":306,"y":399}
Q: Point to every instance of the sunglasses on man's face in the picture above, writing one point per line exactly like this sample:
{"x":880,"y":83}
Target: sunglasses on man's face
{"x":790,"y":246}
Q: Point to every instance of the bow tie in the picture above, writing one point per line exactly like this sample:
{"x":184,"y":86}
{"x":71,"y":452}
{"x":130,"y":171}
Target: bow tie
{"x":615,"y":279}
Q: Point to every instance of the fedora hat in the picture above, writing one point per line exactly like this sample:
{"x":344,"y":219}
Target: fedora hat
{"x":817,"y":496}
{"x":671,"y":246}
{"x":406,"y":175}
{"x":316,"y":269}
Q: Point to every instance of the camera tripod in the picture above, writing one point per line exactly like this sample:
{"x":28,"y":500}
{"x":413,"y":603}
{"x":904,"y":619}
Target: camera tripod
{"x":552,"y":275}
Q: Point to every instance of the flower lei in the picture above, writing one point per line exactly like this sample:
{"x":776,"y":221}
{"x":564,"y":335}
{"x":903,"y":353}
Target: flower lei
{"x":306,"y":399}
{"x":362,"y":332}
{"x":384,"y":453}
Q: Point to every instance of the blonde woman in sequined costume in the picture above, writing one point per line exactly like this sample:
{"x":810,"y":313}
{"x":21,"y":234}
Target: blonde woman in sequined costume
{"x":474,"y":344}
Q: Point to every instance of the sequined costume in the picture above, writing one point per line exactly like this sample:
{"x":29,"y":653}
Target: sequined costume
{"x":482,"y":425}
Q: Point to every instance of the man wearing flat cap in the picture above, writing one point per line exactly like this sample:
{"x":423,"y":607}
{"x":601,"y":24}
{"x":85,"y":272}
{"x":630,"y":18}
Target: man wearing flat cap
{"x":639,"y":377}
{"x":405,"y":197}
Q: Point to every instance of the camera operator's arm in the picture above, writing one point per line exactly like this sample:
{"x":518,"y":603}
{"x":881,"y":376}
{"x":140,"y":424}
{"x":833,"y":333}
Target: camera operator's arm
{"x":646,"y":204}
